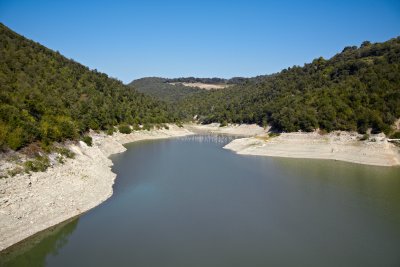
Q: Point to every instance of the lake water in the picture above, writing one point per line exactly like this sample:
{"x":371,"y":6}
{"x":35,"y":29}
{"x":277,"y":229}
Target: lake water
{"x":188,"y":202}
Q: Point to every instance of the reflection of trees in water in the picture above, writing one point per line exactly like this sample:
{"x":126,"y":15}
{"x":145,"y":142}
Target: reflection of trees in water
{"x":209,"y":138}
{"x":34,"y":250}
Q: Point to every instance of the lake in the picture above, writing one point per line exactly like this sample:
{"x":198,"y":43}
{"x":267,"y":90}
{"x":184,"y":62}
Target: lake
{"x":188,"y":202}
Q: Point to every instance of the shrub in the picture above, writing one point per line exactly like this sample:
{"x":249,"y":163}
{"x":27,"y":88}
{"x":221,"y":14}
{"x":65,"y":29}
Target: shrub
{"x":93,"y":124}
{"x":323,"y":132}
{"x":136,"y":127}
{"x":3,"y":135}
{"x":39,"y":164}
{"x":223,"y":124}
{"x":159,"y":126}
{"x":66,"y":127}
{"x":33,"y":150}
{"x":15,"y":139}
{"x":60,"y":159}
{"x":88,"y":140}
{"x":364,"y":137}
{"x":110,"y":131}
{"x":66,"y":152}
{"x":271,"y":135}
{"x":147,"y":126}
{"x":125,"y":129}
{"x":15,"y":171}
{"x":395,"y":135}
{"x":47,"y":146}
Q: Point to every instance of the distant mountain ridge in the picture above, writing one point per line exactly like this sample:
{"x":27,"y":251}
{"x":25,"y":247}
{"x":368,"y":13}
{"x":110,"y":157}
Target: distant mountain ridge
{"x":175,"y":89}
{"x":162,"y":89}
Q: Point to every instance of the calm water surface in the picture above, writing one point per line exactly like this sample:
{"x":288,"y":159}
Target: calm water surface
{"x":188,"y":202}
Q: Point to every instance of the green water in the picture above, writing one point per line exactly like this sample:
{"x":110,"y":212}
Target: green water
{"x":188,"y":202}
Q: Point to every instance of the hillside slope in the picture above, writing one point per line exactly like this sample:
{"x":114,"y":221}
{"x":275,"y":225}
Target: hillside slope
{"x":160,"y":88}
{"x":173,"y":90}
{"x":356,"y":89}
{"x":46,"y":97}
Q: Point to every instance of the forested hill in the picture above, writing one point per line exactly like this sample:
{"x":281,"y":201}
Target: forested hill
{"x":162,"y":90}
{"x":172,"y":90}
{"x":356,"y":89}
{"x":46,"y":97}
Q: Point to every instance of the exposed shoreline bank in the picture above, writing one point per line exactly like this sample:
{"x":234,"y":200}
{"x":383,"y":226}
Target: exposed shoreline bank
{"x":31,"y":203}
{"x":338,"y":145}
{"x":342,"y":146}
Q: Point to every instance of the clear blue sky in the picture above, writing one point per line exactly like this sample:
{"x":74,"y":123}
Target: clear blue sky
{"x":133,"y":39}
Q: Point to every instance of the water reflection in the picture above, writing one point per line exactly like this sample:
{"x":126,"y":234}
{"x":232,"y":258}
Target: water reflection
{"x":209,"y":138}
{"x":35,"y":250}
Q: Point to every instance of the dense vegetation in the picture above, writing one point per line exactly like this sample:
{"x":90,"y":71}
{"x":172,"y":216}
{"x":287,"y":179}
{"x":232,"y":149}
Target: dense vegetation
{"x":46,"y":97}
{"x":161,"y":89}
{"x":172,"y":91}
{"x":356,"y":89}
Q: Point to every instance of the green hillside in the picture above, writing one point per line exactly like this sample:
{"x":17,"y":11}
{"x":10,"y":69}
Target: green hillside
{"x":162,"y":90}
{"x":356,"y":89}
{"x":46,"y":97}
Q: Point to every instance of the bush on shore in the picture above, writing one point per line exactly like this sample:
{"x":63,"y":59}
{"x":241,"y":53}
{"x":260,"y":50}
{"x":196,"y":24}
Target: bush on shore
{"x":88,"y":140}
{"x":125,"y":129}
